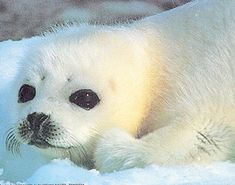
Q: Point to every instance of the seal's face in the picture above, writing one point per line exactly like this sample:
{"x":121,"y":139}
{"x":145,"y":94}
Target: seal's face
{"x":71,"y":89}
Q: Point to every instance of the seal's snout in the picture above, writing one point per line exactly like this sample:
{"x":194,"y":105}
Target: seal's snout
{"x":36,"y":120}
{"x":37,"y":129}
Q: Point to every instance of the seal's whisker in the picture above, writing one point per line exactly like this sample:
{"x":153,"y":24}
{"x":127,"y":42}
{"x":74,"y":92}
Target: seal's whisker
{"x":17,"y":147}
{"x":9,"y":130}
{"x":77,"y":148}
{"x":10,"y":135}
{"x":97,"y":133}
{"x":82,"y":150}
{"x":12,"y":144}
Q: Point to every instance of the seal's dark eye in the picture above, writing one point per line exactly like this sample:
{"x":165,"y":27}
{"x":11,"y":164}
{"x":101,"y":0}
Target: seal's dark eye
{"x":84,"y":98}
{"x":26,"y":93}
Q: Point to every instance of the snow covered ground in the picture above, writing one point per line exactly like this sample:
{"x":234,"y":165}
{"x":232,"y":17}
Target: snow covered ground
{"x":32,"y":168}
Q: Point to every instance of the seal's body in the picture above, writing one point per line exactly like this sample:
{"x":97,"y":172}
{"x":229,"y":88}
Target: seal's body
{"x":161,"y":90}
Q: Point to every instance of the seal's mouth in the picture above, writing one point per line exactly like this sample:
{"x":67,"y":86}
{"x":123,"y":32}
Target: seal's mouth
{"x":39,"y":130}
{"x":42,"y":144}
{"x":50,"y":140}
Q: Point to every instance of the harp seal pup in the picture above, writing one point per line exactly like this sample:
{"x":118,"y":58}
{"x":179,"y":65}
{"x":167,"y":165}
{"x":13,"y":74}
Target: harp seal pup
{"x":159,"y":91}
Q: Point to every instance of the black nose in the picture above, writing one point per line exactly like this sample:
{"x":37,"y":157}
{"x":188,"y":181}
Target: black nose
{"x":36,"y":120}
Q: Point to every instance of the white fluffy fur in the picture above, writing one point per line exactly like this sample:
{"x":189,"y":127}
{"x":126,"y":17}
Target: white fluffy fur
{"x":166,"y":85}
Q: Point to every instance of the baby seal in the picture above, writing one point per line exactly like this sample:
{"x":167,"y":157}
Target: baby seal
{"x":158,"y":91}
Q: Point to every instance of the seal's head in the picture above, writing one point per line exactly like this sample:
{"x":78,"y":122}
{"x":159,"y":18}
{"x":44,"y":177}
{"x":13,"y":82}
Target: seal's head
{"x":75,"y":84}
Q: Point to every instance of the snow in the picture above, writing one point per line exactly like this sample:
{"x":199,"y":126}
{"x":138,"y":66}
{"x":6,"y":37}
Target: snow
{"x":32,"y":168}
{"x":219,"y":173}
